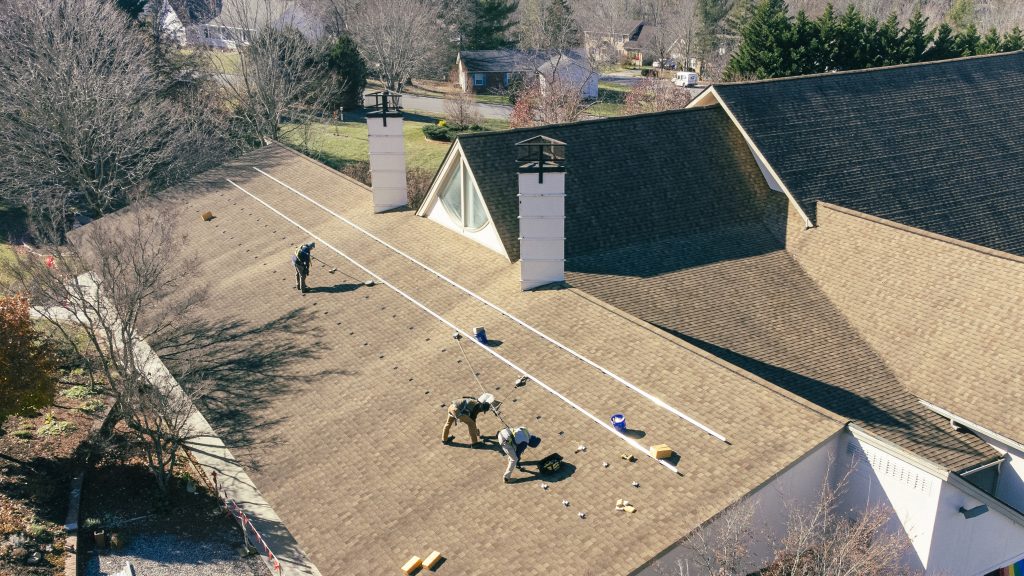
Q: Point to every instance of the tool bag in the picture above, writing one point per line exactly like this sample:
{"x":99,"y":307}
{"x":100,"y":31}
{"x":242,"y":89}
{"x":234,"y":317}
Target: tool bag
{"x":550,"y":463}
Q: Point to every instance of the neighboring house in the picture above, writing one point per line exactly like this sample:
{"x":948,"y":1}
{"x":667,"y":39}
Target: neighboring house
{"x":238,"y":20}
{"x":610,"y":46}
{"x":571,"y":69}
{"x":856,"y":239}
{"x":493,"y":71}
{"x":788,"y":282}
{"x":170,"y":25}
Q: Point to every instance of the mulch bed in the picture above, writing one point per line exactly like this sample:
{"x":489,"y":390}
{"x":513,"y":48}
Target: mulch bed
{"x":35,"y":476}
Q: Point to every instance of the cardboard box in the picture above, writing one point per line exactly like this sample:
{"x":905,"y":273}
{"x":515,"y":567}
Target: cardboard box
{"x":660,"y":451}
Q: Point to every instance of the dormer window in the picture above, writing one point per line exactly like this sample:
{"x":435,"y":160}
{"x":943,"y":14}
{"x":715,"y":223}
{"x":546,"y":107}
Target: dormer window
{"x":461,"y":198}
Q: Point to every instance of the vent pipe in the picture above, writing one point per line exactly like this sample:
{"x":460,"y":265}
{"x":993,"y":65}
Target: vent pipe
{"x":387,"y":152}
{"x":541,"y":162}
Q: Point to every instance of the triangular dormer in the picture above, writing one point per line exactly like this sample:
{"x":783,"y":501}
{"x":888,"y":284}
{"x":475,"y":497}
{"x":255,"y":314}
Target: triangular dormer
{"x":455,"y":202}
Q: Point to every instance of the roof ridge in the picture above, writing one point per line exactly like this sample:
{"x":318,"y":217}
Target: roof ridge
{"x":603,"y":120}
{"x":872,"y":69}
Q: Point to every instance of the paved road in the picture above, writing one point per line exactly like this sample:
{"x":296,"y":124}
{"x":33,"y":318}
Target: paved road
{"x":435,"y":106}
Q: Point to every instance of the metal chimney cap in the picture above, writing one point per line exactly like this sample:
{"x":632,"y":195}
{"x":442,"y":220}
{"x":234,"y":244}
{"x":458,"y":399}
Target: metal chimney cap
{"x":385,"y":103}
{"x":540,"y":154}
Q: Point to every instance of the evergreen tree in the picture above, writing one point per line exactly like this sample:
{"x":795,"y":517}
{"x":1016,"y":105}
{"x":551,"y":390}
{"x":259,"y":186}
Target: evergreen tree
{"x":853,"y":40}
{"x":802,"y":52}
{"x":915,"y":38}
{"x":826,"y":41}
{"x":1013,"y":40}
{"x":764,"y":49}
{"x":348,"y":73}
{"x":961,"y":15}
{"x":990,"y":44}
{"x":560,"y":28}
{"x":710,"y":14}
{"x":488,"y":24}
{"x":944,"y":45}
{"x":887,"y":49}
{"x":965,"y":43}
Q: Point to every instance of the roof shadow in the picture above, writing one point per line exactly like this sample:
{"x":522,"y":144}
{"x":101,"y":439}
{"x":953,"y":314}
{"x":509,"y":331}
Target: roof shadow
{"x":649,"y":259}
{"x":833,"y":398}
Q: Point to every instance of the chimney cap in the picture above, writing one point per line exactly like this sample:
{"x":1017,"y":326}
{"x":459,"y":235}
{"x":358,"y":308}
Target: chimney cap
{"x":385,"y":103}
{"x":540,"y":154}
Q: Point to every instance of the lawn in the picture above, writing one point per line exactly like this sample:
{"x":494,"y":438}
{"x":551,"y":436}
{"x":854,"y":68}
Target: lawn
{"x":341,"y":144}
{"x":610,"y":98}
{"x":228,"y":62}
{"x":12,"y":227}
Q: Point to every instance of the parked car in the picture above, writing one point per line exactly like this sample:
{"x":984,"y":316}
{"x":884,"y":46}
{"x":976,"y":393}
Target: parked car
{"x":685,"y":79}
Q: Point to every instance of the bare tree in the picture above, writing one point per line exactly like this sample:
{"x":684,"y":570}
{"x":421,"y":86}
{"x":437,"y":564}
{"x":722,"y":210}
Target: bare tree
{"x":461,"y":108}
{"x":557,"y":101}
{"x":135,"y":291}
{"x":281,"y":80}
{"x":84,"y":123}
{"x":655,"y":95}
{"x":821,"y":539}
{"x":399,"y":39}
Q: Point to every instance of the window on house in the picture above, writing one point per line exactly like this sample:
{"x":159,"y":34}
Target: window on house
{"x":461,"y":199}
{"x":508,"y":78}
{"x":479,"y":79}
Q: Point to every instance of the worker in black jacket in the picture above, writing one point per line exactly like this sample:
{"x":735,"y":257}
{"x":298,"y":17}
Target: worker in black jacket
{"x":301,"y":260}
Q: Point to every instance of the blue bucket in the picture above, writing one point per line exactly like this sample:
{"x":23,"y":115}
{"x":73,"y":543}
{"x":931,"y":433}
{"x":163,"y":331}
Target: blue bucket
{"x":481,"y":335}
{"x":619,"y":422}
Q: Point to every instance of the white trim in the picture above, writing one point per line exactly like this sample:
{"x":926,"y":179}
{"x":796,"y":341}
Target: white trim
{"x":432,"y":194}
{"x":469,"y":336}
{"x":711,"y":92}
{"x":972,"y":426}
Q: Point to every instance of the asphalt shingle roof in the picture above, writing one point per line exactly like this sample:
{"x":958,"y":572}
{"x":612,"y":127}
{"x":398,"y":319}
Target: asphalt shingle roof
{"x":344,"y":424}
{"x":935,"y":146}
{"x":502,"y":60}
{"x":623,"y":176}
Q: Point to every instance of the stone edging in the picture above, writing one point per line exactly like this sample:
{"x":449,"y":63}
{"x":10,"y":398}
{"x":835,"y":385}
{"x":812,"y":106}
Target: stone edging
{"x":75,"y":500}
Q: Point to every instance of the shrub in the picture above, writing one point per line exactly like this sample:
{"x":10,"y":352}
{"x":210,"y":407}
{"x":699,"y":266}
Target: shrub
{"x":417,"y":185}
{"x":450,"y":131}
{"x":54,"y":427}
{"x":436,"y":132}
{"x":78,"y":392}
{"x":27,"y":365}
{"x":92,"y":405}
{"x":24,"y":433}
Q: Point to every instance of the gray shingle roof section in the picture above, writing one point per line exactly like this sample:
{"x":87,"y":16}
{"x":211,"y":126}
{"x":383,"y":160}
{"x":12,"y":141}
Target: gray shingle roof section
{"x":936,"y":146}
{"x":502,"y":60}
{"x":623,"y":177}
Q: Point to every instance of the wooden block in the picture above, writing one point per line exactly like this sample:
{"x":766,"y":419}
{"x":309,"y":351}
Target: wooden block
{"x":207,"y":216}
{"x":661,"y":451}
{"x":412,"y":564}
{"x":429,"y":561}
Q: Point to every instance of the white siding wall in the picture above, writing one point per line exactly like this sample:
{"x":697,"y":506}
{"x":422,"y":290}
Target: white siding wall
{"x":973,"y":546}
{"x":1011,"y":473}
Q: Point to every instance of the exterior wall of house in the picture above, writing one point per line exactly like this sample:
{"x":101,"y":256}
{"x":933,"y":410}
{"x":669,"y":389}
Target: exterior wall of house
{"x":945,"y":317}
{"x":492,"y":81}
{"x":800,"y":485}
{"x":971,"y":546}
{"x":1010,"y":487}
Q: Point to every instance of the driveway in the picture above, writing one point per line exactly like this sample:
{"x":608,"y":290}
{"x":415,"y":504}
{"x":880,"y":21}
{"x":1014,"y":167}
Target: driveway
{"x":625,"y":78}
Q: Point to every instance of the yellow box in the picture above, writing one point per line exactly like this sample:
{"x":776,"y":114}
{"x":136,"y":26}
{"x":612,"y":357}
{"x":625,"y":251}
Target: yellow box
{"x":661,"y":451}
{"x":429,"y":561}
{"x":412,"y":564}
{"x":207,"y":216}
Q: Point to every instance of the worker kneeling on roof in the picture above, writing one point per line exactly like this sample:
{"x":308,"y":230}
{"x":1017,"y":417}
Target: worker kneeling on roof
{"x":301,"y":262}
{"x":465,"y":409}
{"x":513,"y":442}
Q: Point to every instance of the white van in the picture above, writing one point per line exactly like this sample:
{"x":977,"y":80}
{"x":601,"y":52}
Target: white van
{"x":685,"y":79}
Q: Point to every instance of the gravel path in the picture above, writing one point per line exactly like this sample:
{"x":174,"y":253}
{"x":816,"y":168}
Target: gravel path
{"x":166,"y":555}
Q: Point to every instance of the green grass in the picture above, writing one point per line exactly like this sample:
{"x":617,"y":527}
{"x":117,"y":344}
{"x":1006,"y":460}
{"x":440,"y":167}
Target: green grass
{"x":13,"y":224}
{"x":227,"y":62}
{"x":346,"y":142}
{"x":610,"y":98}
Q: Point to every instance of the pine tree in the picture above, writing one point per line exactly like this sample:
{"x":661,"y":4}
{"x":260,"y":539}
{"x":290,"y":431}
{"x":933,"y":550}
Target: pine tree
{"x":961,"y":15}
{"x":826,"y":41}
{"x":887,"y":50}
{"x":488,"y":24}
{"x":710,"y":14}
{"x":764,"y":49}
{"x":915,"y":38}
{"x":944,"y":45}
{"x":802,"y":52}
{"x":560,"y":28}
{"x":965,"y":43}
{"x":1013,"y":40}
{"x":853,"y":33}
{"x":343,"y":61}
{"x":990,"y":43}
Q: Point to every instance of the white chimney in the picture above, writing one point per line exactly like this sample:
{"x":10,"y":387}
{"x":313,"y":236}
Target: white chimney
{"x":387,"y":152}
{"x":541,"y":211}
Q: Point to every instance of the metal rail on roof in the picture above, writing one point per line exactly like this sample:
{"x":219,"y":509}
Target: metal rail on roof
{"x":469,"y":336}
{"x":654,"y":399}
